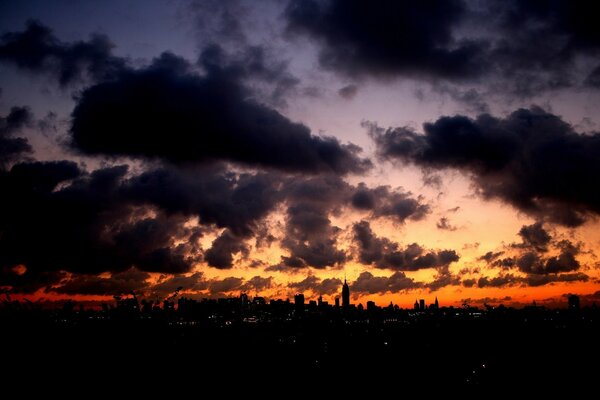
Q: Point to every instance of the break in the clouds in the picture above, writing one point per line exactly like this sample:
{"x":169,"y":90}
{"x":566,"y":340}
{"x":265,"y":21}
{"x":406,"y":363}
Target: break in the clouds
{"x":531,"y":159}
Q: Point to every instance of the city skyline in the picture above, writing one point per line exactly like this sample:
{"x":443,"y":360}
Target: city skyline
{"x":392,"y":151}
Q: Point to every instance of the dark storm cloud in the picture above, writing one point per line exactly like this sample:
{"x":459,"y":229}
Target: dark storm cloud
{"x":530,"y":280}
{"x":535,"y":236}
{"x":533,"y":263}
{"x":12,"y":148}
{"x":325,"y":286}
{"x":60,"y":218}
{"x":388,"y":38}
{"x":17,"y":118}
{"x":28,"y":281}
{"x":540,"y":280}
{"x":169,"y":114}
{"x":37,"y":50}
{"x":257,"y":283}
{"x":167,"y":286}
{"x":526,"y":48}
{"x":531,"y":159}
{"x":383,"y":253}
{"x":366,"y":283}
{"x":504,"y":263}
{"x":490,"y":256}
{"x":593,"y":79}
{"x":255,"y":66}
{"x":216,"y":196}
{"x":117,"y":284}
{"x":499,"y":281}
{"x":230,"y":284}
{"x":443,"y":278}
{"x":310,"y":237}
{"x":540,"y":42}
{"x":469,"y":282}
{"x":382,"y":201}
{"x":223,"y":248}
{"x":531,"y":257}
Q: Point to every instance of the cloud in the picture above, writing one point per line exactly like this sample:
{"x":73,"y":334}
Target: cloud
{"x":388,"y":38}
{"x":317,"y":285}
{"x":490,"y":256}
{"x":28,"y":281}
{"x":383,"y":253}
{"x":234,"y":201}
{"x":168,"y":285}
{"x":310,"y":237}
{"x":348,"y":92}
{"x":445,"y":225}
{"x":367,"y":283}
{"x":534,"y":264}
{"x":535,"y":236}
{"x":59,"y":217}
{"x":171,"y":114}
{"x":523,"y":51}
{"x":257,"y":283}
{"x":502,"y":280}
{"x":37,"y":50}
{"x":383,"y":201}
{"x":229,"y":284}
{"x":220,"y":255}
{"x":530,"y":159}
{"x":443,"y":278}
{"x":540,"y":280}
{"x":13,"y":148}
{"x":469,"y":282}
{"x":117,"y":284}
{"x":531,"y":280}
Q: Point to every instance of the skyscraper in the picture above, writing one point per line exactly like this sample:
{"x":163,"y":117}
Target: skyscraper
{"x":345,"y":295}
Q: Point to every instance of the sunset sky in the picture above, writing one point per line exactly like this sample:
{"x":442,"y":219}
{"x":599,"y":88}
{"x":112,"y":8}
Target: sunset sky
{"x":422,"y":149}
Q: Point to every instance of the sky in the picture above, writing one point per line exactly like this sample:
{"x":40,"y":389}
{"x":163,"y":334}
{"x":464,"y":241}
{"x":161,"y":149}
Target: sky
{"x":424,"y":149}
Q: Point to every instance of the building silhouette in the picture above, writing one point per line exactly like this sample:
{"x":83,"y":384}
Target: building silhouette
{"x":573,"y":302}
{"x":299,"y":303}
{"x":345,"y":295}
{"x":421,"y":304}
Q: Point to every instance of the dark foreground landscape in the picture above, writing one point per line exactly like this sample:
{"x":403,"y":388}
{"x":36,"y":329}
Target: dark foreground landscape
{"x":378,"y":350}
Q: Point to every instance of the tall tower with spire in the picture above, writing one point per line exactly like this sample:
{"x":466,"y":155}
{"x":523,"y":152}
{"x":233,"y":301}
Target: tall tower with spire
{"x":345,"y":295}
